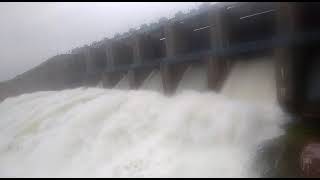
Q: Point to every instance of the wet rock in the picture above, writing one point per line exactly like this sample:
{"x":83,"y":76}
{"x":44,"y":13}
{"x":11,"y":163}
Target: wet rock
{"x":296,"y":154}
{"x":269,"y":155}
{"x":310,"y":160}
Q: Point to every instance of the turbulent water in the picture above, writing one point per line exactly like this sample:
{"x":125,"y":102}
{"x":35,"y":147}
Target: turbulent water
{"x":252,"y":81}
{"x":95,"y":132}
{"x":123,"y":83}
{"x":194,"y":78}
{"x":153,"y":82}
{"x":100,"y":84}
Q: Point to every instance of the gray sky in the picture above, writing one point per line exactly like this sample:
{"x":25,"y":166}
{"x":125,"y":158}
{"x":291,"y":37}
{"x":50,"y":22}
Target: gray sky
{"x":31,"y":33}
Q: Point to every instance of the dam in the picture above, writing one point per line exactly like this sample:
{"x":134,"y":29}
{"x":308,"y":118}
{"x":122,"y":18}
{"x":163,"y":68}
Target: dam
{"x":192,"y":96}
{"x":209,"y":40}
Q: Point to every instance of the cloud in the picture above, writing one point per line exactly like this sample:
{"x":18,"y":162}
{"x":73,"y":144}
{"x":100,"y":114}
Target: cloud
{"x":30,"y":33}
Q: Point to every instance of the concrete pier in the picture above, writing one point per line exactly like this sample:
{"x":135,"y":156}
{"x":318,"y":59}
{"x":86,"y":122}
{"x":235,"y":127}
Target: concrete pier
{"x":297,"y":79}
{"x":218,"y":64}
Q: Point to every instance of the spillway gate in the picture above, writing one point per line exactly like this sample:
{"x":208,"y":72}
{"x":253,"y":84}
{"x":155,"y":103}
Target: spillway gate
{"x":215,"y":36}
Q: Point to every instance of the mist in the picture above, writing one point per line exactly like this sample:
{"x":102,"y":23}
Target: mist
{"x":31,"y":33}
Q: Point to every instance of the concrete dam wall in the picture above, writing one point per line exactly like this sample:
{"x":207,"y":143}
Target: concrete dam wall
{"x":210,"y":40}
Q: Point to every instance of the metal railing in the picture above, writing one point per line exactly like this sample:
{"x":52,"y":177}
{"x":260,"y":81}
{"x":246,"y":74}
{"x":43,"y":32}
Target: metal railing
{"x":298,"y":38}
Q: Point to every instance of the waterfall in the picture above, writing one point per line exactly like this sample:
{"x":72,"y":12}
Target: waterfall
{"x":95,"y":132}
{"x":123,"y":83}
{"x":153,"y":82}
{"x":194,"y":78}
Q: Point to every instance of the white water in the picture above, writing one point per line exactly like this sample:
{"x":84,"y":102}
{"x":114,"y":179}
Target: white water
{"x":194,"y":78}
{"x":123,"y":83}
{"x":252,"y":81}
{"x":153,"y":82}
{"x":118,"y":133}
{"x":100,"y":84}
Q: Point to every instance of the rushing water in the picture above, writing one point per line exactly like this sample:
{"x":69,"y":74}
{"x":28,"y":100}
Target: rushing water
{"x":95,"y":132}
{"x":123,"y":83}
{"x":194,"y":78}
{"x":153,"y":82}
{"x":252,"y":80}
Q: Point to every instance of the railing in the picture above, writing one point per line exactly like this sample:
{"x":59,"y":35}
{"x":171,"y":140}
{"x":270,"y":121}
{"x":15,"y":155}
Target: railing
{"x":284,"y":40}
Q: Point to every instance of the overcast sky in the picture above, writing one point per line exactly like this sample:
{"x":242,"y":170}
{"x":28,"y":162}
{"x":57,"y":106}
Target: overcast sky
{"x":31,"y":33}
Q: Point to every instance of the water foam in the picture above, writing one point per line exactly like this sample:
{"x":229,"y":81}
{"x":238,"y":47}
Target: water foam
{"x":94,"y":132}
{"x":91,"y":132}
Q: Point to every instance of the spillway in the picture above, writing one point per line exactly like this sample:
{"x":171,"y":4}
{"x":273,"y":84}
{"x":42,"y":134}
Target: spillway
{"x":123,"y":83}
{"x":94,"y":132}
{"x":100,"y":84}
{"x":153,"y":82}
{"x":171,"y":127}
{"x":194,"y":78}
{"x":252,"y":80}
